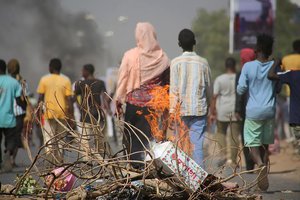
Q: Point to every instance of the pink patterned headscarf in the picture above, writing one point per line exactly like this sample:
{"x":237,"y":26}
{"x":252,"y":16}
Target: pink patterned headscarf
{"x":152,"y":59}
{"x":142,"y":63}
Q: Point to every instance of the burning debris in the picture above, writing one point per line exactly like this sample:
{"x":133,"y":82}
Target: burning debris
{"x":92,"y":173}
{"x":160,"y":120}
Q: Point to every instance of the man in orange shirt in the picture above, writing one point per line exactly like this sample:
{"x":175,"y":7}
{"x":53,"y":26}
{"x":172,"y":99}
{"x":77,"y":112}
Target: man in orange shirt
{"x":55,"y":91}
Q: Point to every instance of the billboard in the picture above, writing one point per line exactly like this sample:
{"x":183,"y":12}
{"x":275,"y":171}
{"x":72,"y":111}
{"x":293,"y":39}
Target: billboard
{"x":250,"y":18}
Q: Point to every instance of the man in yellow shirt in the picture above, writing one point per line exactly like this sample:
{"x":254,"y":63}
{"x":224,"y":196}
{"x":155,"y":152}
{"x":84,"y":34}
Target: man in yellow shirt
{"x":55,"y":91}
{"x":292,"y":61}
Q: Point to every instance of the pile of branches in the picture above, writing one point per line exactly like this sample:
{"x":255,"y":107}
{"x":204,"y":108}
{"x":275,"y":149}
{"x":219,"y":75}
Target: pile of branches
{"x":101,"y":174}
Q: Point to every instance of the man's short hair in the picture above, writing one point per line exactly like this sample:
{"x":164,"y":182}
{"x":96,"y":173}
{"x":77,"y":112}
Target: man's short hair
{"x":55,"y":64}
{"x":264,"y":44}
{"x":2,"y":66}
{"x":186,"y":38}
{"x":89,"y":68}
{"x":296,"y":46}
{"x":230,"y":63}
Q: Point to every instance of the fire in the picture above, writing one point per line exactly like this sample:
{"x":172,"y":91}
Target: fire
{"x":165,"y":126}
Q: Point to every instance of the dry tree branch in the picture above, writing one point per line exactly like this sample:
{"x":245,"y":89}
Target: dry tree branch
{"x":89,"y":163}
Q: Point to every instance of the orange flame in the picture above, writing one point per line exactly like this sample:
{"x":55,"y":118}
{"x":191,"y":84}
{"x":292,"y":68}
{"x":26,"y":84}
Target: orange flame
{"x":164,"y":125}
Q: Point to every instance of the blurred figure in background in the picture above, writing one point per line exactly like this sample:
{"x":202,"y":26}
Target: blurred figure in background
{"x":93,"y":102}
{"x":55,"y":91}
{"x":36,"y":127}
{"x":22,"y":119}
{"x":292,"y":78}
{"x":143,"y":68}
{"x":111,"y":86}
{"x":246,"y":55}
{"x":290,"y":62}
{"x":10,"y":90}
{"x":223,"y":109}
{"x":289,"y":136}
{"x":190,"y":85}
{"x":261,"y":106}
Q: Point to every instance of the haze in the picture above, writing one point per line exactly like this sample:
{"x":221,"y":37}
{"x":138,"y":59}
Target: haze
{"x":168,"y":17}
{"x":89,"y":31}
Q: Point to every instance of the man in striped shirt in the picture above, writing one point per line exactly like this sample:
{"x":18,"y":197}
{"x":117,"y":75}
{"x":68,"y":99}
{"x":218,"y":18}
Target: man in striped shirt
{"x":190,"y":86}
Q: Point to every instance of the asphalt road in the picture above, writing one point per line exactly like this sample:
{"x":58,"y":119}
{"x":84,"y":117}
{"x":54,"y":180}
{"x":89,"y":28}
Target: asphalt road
{"x":284,"y":176}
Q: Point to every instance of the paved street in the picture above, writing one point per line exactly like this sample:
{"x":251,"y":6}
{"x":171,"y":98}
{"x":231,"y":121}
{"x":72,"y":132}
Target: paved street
{"x":284,"y":177}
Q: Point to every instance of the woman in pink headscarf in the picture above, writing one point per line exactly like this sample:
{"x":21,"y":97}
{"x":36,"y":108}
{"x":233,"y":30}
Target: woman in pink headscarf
{"x":142,"y":68}
{"x":246,"y":55}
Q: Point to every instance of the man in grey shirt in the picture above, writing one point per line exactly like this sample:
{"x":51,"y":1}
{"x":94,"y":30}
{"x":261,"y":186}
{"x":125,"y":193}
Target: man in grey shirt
{"x":223,"y":109}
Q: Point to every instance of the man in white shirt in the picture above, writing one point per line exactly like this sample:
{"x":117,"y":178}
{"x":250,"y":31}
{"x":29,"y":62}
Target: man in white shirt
{"x":223,"y":109}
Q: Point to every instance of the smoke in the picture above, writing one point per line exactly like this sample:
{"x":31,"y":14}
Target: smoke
{"x":36,"y":31}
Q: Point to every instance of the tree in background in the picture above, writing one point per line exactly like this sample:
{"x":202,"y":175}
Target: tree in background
{"x":287,"y":27}
{"x":212,"y":33}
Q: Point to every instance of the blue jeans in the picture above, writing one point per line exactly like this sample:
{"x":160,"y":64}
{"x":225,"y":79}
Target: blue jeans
{"x":197,"y":126}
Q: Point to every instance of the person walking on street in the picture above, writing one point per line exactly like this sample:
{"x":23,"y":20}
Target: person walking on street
{"x":246,"y":55}
{"x":261,"y":106}
{"x":55,"y":91}
{"x":190,"y":86}
{"x":13,"y":68}
{"x":10,"y":90}
{"x":292,"y":79}
{"x":222,"y":108}
{"x":93,"y":102}
{"x":142,"y":69}
{"x":292,"y":61}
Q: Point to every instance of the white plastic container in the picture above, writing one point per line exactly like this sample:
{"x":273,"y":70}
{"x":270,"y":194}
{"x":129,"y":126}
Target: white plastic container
{"x":165,"y":155}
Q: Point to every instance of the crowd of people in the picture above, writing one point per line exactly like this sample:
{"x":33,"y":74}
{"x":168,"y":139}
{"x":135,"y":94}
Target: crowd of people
{"x":244,"y":102}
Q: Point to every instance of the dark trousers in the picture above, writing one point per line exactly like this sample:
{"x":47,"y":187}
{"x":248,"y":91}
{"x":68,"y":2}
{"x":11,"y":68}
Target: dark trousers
{"x":133,"y":139}
{"x":10,"y":142}
{"x":248,"y":160}
{"x":19,"y":130}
